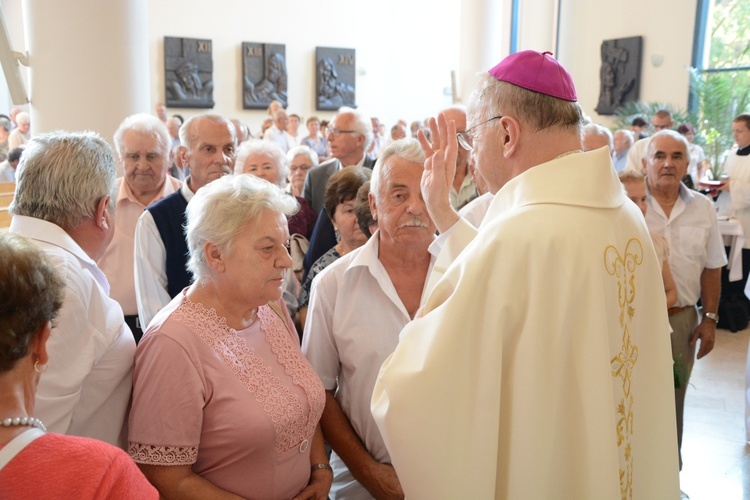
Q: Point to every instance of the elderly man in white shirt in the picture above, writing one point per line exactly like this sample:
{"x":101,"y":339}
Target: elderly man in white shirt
{"x":64,"y":202}
{"x":208,"y":148}
{"x":358,"y":306}
{"x":277,"y":132}
{"x":687,"y":220}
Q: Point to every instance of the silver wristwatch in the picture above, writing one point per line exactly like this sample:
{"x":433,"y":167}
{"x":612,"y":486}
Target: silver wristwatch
{"x":712,"y":316}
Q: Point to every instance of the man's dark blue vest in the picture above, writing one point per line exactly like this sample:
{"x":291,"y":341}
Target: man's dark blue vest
{"x":170,"y":217}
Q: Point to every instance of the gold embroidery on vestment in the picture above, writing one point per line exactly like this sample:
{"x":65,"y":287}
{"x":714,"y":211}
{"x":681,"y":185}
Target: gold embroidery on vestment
{"x":622,"y":267}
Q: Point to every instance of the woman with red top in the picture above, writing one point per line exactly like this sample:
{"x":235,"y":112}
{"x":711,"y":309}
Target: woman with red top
{"x":33,"y":463}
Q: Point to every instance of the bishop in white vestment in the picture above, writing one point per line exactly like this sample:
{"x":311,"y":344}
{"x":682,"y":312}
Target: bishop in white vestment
{"x":540,"y":365}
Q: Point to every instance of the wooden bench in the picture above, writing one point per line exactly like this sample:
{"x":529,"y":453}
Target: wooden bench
{"x":5,"y":218}
{"x":7,"y":190}
{"x":6,"y":199}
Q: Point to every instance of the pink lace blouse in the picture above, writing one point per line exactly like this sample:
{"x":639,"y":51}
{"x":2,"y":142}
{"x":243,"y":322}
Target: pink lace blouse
{"x":241,"y":407}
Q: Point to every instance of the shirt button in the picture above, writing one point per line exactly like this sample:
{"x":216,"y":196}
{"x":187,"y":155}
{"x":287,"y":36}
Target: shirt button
{"x":304,"y":446}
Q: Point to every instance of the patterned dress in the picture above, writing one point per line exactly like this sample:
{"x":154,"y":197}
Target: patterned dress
{"x":240,"y":407}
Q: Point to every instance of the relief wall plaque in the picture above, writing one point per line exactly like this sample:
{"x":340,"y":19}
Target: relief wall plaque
{"x":188,"y":68}
{"x":335,"y":78}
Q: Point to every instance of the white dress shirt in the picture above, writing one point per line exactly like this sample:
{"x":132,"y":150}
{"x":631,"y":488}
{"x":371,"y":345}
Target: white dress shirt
{"x":281,"y":137}
{"x":151,"y":265}
{"x":465,"y":193}
{"x":117,"y":263}
{"x":86,"y":389}
{"x":695,"y":243}
{"x":353,"y":325}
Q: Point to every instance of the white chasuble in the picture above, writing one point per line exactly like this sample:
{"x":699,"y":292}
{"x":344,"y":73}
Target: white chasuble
{"x":540,"y":366}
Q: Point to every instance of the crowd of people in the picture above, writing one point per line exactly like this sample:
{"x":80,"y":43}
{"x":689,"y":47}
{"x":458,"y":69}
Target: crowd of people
{"x":341,"y":314}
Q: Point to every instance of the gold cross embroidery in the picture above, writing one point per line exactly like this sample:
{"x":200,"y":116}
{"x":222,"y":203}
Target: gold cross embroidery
{"x":622,"y":267}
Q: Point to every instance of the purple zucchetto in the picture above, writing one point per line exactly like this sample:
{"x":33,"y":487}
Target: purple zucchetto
{"x":538,"y":72}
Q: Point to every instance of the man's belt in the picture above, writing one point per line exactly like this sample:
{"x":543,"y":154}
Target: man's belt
{"x":677,"y":310}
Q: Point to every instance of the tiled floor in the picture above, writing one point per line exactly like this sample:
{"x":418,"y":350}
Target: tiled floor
{"x":716,"y":460}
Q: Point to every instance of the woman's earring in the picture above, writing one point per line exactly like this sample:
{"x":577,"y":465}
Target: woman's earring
{"x":38,"y":368}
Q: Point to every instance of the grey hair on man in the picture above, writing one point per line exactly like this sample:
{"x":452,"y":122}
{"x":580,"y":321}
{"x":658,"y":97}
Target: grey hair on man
{"x":362,"y":125}
{"x":224,"y":208}
{"x":407,"y":149}
{"x":268,"y":148}
{"x":596,"y":136}
{"x":627,"y":135}
{"x":186,"y":131}
{"x":144,"y":124}
{"x":651,"y":148}
{"x":62,"y":177}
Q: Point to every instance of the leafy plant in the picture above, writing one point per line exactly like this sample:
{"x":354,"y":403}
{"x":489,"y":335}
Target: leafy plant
{"x":719,"y":98}
{"x":714,"y":151}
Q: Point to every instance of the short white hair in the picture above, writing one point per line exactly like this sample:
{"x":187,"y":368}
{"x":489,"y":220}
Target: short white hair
{"x":186,"y":131}
{"x":144,"y":124}
{"x":594,"y":129}
{"x":303,"y":150}
{"x":23,"y":117}
{"x":62,"y":176}
{"x":362,"y":124}
{"x":220,"y":210}
{"x":628,"y":134}
{"x":407,"y":149}
{"x":649,"y":153}
{"x":262,"y":147}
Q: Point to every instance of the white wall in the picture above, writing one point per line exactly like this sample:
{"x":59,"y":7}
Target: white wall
{"x":12,"y":13}
{"x":536,"y":25}
{"x":667,"y":27}
{"x":405,"y":50}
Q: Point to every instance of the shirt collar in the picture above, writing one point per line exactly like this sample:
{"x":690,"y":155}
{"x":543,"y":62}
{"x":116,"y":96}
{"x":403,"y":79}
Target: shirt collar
{"x":47,"y":232}
{"x":124,"y":191}
{"x":360,"y":163}
{"x":686,"y":194}
{"x":367,"y":256}
{"x":187,"y":193}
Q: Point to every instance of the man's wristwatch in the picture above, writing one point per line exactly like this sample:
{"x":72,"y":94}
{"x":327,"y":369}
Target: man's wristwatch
{"x":712,"y":316}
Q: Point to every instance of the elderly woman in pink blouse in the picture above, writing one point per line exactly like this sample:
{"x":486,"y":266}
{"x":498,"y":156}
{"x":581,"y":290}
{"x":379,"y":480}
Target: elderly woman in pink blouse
{"x":224,"y":403}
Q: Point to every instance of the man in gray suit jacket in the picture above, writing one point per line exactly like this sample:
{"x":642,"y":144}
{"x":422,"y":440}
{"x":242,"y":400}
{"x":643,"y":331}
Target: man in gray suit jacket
{"x":349,"y":135}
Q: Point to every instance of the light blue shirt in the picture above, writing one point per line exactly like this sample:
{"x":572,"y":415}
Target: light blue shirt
{"x":619,"y":161}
